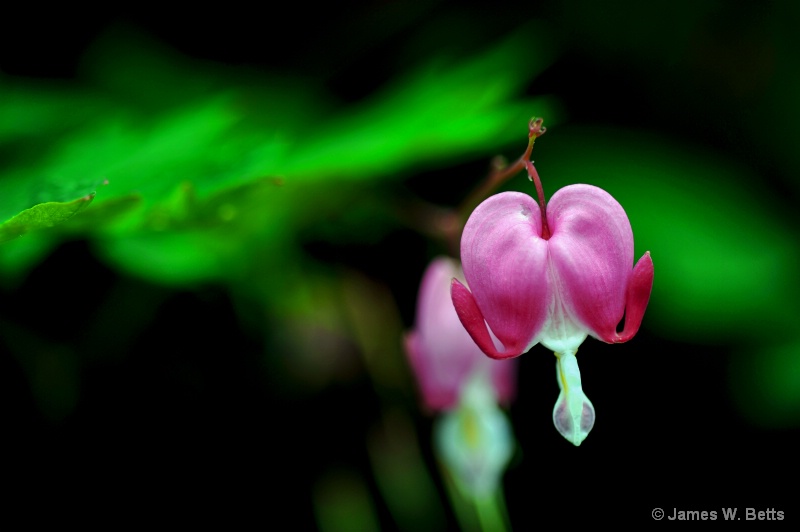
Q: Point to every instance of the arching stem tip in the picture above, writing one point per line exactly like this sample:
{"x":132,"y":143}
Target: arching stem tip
{"x":535,"y":128}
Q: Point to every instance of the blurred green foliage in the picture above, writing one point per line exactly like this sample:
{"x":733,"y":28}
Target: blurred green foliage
{"x":208,"y":167}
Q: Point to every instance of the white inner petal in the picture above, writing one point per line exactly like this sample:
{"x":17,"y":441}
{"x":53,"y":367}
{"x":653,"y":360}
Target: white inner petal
{"x":573,"y":414}
{"x":560,"y":332}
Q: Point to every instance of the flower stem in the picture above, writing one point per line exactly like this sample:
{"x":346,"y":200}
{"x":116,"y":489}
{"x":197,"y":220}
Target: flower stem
{"x":447,"y":224}
{"x":465,"y":516}
{"x":533,"y":175}
{"x":501,"y":173}
{"x":478,"y":514}
{"x":492,"y":512}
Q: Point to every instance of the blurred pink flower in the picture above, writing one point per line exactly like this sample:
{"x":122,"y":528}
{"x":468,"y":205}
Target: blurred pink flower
{"x":441,"y":353}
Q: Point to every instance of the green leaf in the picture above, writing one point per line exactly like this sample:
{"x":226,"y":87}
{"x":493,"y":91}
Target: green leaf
{"x":42,"y":216}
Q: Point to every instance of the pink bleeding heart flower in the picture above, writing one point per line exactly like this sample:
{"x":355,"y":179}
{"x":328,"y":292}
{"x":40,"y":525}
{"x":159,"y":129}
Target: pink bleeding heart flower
{"x":552,"y":274}
{"x":441,"y":353}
